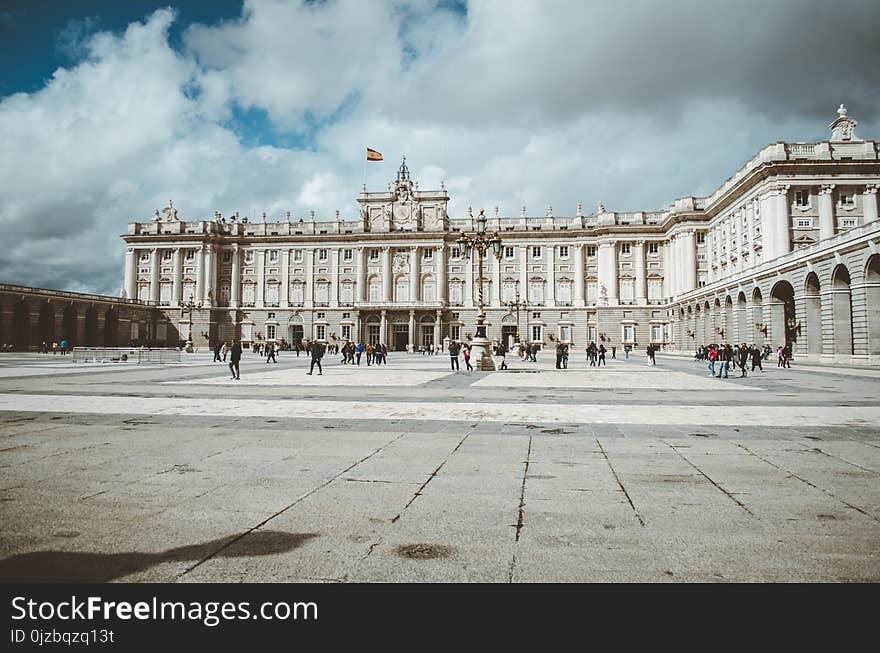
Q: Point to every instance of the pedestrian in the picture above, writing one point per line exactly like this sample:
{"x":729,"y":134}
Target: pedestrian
{"x":712,"y":356}
{"x":217,"y":346}
{"x":63,"y":346}
{"x":358,"y":352}
{"x":565,"y":357}
{"x":454,"y":349}
{"x":756,"y":358}
{"x":787,"y":354}
{"x":368,"y":350}
{"x":234,"y":358}
{"x":316,"y":350}
{"x":652,"y":351}
{"x":270,"y":352}
{"x":725,"y":354}
{"x":558,"y":355}
{"x":743,"y":359}
{"x":626,"y":350}
{"x":467,"y":358}
{"x":780,"y":356}
{"x":613,"y":351}
{"x":602,"y":351}
{"x":383,"y":352}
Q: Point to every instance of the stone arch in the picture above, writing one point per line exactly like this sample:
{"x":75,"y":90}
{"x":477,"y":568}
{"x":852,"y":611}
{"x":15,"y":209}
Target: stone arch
{"x":696,"y":325}
{"x":68,"y":325}
{"x":872,"y":296}
{"x":111,"y":328}
{"x":46,"y":324}
{"x":21,"y":325}
{"x":813,"y":313}
{"x":841,"y":305}
{"x":782,"y":314}
{"x":401,"y":288}
{"x":90,"y":327}
{"x":374,"y":289}
{"x":729,"y":330}
{"x":428,"y":289}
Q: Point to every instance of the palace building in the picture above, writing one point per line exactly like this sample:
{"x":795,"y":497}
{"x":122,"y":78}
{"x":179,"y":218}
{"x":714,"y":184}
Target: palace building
{"x":784,"y":251}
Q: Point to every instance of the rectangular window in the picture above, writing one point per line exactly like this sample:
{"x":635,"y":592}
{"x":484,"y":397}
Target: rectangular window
{"x":508,"y":252}
{"x":270,"y":332}
{"x":322,"y":254}
{"x":346,"y":316}
{"x":166,"y":255}
{"x":565,"y":333}
{"x":591,"y":250}
{"x":563,"y":251}
{"x":249,"y":256}
{"x":805,"y":222}
{"x":455,"y":252}
{"x":536,"y":332}
{"x":346,"y":331}
{"x":455,"y":316}
{"x":347,"y":254}
{"x":428,"y":254}
{"x":849,"y":222}
{"x":656,"y":333}
{"x":374,"y":254}
{"x":190,"y":254}
{"x":653,"y":248}
{"x":624,"y":248}
{"x":297,"y":256}
{"x":320,"y":331}
{"x":701,"y":237}
{"x":455,"y":332}
{"x":273,"y":256}
{"x":536,"y":252}
{"x":227,"y":257}
{"x":802,"y":197}
{"x":320,"y":316}
{"x":271,"y":316}
{"x":847,"y":199}
{"x":629,"y":333}
{"x":536,"y":316}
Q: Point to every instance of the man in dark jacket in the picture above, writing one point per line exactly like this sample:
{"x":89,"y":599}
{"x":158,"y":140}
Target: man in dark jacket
{"x":454,"y":349}
{"x":217,"y":347}
{"x":234,"y":358}
{"x":316,"y":349}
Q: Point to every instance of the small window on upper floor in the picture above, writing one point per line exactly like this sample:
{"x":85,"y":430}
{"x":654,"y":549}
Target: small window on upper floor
{"x":802,"y":198}
{"x":455,"y":252}
{"x":145,"y":256}
{"x":508,"y":252}
{"x":428,"y":254}
{"x":347,"y":255}
{"x":624,"y":248}
{"x":701,"y":237}
{"x":249,"y":256}
{"x":653,"y":248}
{"x":166,"y":255}
{"x":591,"y":250}
{"x":374,"y":254}
{"x":322,"y":254}
{"x":563,"y":251}
{"x":297,"y":256}
{"x":190,"y":254}
{"x":536,"y":316}
{"x":227,"y":256}
{"x":847,"y":199}
{"x":273,"y":256}
{"x":536,"y":252}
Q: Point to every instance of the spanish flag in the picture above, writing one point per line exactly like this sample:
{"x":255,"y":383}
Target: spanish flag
{"x":373,"y":155}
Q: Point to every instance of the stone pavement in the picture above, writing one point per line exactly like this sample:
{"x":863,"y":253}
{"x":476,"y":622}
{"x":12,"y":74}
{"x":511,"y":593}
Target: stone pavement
{"x":409,"y":472}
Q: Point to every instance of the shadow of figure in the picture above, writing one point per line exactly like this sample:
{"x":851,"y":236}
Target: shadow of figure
{"x":87,"y":567}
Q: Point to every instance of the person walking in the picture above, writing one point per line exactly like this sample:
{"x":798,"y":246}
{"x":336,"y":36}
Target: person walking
{"x":454,"y":349}
{"x":317,"y":350}
{"x":725,"y":354}
{"x":224,"y":351}
{"x":565,"y":357}
{"x":652,"y":352}
{"x":756,"y":358}
{"x":558,"y":355}
{"x":270,"y":352}
{"x":467,"y":358}
{"x":358,"y":352}
{"x":234,"y":358}
{"x":63,"y":346}
{"x":383,"y":352}
{"x":743,"y":359}
{"x":602,"y":351}
{"x":614,"y":351}
{"x":626,"y":350}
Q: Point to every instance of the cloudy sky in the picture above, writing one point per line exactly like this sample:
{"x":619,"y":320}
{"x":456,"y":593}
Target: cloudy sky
{"x":108,"y":109}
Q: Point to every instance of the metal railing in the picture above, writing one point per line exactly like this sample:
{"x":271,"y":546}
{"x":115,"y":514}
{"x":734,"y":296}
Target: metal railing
{"x":124,"y":355}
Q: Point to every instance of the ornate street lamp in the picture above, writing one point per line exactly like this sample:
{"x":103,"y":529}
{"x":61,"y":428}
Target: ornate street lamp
{"x":189,"y":307}
{"x":481,"y":242}
{"x":516,"y":306}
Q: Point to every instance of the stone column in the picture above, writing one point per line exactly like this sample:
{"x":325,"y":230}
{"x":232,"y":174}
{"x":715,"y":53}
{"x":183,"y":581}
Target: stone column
{"x":235,"y":282}
{"x":826,"y":211}
{"x":774,"y":214}
{"x":177,"y":278}
{"x":361,"y":278}
{"x":383,"y":327}
{"x":578,"y":299}
{"x":154,"y":275}
{"x":412,"y":330}
{"x":689,"y":261}
{"x":870,"y":199}
{"x":495,"y":262}
{"x":441,"y":273}
{"x":334,"y":277}
{"x":308,"y":291}
{"x":437,"y":327}
{"x":413,"y":276}
{"x":284,"y":298}
{"x":210,"y":276}
{"x":666,"y":257}
{"x":131,"y":273}
{"x":524,"y":272}
{"x":386,"y":275}
{"x":551,"y":275}
{"x":641,"y":288}
{"x":608,"y":273}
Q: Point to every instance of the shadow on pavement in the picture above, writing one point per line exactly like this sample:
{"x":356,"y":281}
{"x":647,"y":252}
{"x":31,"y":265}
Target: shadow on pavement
{"x":87,"y":567}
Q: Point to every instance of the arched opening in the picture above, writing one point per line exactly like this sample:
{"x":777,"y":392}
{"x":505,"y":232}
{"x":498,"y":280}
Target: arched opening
{"x":717,"y":322}
{"x":782,"y":314}
{"x":90,"y":328}
{"x":46,"y":327}
{"x":21,"y":326}
{"x":68,"y":325}
{"x":841,"y":302}
{"x":813,"y":314}
{"x":695,"y":326}
{"x":111,"y":328}
{"x":729,"y":332}
{"x":295,"y":331}
{"x":742,"y":322}
{"x":758,"y":317}
{"x":872,"y":292}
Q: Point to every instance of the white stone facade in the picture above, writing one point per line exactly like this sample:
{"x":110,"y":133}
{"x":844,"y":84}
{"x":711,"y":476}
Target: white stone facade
{"x":396,"y":275}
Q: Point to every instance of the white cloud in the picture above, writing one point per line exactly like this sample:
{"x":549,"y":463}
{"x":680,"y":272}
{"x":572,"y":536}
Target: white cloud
{"x":535,"y":104}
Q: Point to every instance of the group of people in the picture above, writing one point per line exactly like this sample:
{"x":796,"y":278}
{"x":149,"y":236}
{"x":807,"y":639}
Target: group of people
{"x":56,"y":347}
{"x":456,"y":348}
{"x":725,"y":355}
{"x":376,"y":354}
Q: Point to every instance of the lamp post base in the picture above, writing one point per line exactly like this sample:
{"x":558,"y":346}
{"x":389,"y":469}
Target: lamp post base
{"x":481,"y":354}
{"x":189,"y":346}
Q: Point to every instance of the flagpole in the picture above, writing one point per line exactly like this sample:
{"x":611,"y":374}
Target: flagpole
{"x":365,"y":170}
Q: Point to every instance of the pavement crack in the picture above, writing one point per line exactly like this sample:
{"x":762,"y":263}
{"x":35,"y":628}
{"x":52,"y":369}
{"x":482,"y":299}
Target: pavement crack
{"x":520,"y":513}
{"x":287,"y":507}
{"x":436,"y":471}
{"x":806,"y":482}
{"x":709,"y":478}
{"x":620,"y":484}
{"x":843,"y":460}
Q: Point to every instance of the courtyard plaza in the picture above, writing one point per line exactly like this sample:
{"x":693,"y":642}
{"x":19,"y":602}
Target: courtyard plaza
{"x":411,"y":472}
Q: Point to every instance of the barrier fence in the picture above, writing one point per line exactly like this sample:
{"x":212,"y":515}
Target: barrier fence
{"x":124,"y":355}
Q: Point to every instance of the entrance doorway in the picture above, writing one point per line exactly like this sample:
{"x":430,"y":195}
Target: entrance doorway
{"x":401,"y":337}
{"x":373,"y":334}
{"x":428,"y":336}
{"x":508,"y":335}
{"x":295,"y":334}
